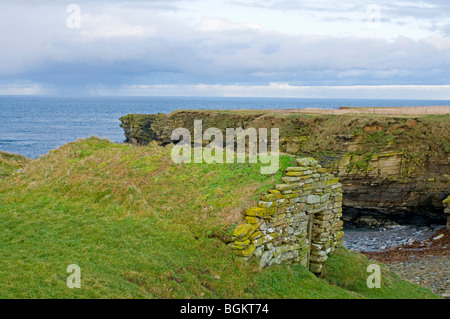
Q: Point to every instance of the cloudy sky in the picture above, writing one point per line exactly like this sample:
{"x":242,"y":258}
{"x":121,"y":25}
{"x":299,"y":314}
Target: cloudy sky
{"x":285,"y":48}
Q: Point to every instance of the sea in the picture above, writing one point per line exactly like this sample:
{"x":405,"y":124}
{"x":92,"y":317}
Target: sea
{"x":34,"y":125}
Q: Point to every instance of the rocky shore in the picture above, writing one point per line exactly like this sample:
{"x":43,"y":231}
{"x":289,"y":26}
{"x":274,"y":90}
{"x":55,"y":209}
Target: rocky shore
{"x":432,"y":272}
{"x":380,"y":239}
{"x":420,"y":255}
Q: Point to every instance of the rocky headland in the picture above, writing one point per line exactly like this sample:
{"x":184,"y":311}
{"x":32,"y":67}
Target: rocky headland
{"x":394,"y":163}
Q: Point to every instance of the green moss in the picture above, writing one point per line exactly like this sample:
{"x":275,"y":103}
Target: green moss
{"x":447,"y":200}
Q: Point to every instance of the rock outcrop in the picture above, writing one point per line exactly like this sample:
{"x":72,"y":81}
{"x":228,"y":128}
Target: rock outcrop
{"x":394,"y":169}
{"x":389,"y":191}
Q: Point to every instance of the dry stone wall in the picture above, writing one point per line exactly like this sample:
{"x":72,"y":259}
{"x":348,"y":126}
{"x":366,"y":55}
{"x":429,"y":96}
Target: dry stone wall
{"x":298,"y":221}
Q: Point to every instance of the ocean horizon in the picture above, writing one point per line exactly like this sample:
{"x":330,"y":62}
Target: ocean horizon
{"x":34,"y":125}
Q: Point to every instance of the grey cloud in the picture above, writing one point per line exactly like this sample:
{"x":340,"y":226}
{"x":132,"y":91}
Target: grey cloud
{"x":258,"y":59}
{"x":445,"y":30}
{"x":391,"y":11}
{"x":306,"y":60}
{"x":45,"y":51}
{"x":309,"y":5}
{"x":425,"y":8}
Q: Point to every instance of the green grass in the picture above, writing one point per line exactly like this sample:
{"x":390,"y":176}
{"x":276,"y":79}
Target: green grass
{"x":9,"y":163}
{"x":348,"y":270}
{"x":140,"y":226}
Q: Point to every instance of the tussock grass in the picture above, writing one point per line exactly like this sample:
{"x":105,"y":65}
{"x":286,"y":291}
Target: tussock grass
{"x":140,"y":226}
{"x":9,"y":163}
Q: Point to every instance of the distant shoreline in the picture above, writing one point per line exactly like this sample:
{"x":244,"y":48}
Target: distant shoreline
{"x":395,"y":110}
{"x":32,"y":126}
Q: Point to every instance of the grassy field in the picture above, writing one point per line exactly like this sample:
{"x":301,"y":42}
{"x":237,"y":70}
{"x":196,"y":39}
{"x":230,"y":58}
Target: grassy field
{"x":140,"y":226}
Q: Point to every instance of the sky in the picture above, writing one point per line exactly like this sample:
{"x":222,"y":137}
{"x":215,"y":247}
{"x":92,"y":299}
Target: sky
{"x":273,"y":48}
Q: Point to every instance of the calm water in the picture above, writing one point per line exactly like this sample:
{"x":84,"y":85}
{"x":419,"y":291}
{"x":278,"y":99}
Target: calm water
{"x":32,"y":126}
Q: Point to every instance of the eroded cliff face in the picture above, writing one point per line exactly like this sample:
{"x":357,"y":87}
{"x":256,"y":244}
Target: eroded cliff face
{"x":393,"y":169}
{"x":391,"y":189}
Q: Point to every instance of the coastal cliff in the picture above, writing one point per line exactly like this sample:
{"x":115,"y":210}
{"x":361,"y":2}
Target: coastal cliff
{"x":394,"y":168}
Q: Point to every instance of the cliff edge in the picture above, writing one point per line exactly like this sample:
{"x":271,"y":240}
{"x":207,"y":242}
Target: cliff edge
{"x":395,"y":168}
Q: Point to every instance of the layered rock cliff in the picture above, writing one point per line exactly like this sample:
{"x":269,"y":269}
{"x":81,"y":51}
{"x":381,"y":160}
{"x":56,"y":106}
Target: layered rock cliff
{"x":394,"y":169}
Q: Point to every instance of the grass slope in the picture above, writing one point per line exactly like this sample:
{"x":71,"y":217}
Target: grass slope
{"x":9,"y":163}
{"x":140,"y":226}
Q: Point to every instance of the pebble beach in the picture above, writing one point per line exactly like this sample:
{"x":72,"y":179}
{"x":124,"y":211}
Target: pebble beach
{"x":420,"y":255}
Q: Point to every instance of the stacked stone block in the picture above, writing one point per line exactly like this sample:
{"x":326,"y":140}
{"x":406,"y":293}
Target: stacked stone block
{"x":446,"y":203}
{"x":297,"y":221}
